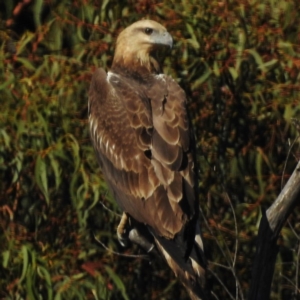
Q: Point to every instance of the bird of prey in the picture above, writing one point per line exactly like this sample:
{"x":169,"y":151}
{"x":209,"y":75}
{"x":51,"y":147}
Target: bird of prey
{"x":142,"y":136}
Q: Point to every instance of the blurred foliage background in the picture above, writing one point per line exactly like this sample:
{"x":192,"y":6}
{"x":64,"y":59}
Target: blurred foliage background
{"x":238,"y":61}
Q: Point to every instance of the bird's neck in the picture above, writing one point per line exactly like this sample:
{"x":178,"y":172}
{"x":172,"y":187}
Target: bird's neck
{"x":138,"y":64}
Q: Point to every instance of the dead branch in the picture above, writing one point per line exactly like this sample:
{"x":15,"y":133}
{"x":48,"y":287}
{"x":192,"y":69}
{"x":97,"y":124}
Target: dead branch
{"x":270,"y":226}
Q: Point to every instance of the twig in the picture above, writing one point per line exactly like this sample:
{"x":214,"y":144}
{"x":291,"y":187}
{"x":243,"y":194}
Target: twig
{"x":290,"y":281}
{"x":235,"y":229}
{"x":214,"y":295}
{"x":108,"y":209}
{"x":237,"y":283}
{"x":286,"y":160}
{"x":216,"y":240}
{"x":219,"y":265}
{"x":221,"y":249}
{"x":293,"y":230}
{"x":221,"y":282}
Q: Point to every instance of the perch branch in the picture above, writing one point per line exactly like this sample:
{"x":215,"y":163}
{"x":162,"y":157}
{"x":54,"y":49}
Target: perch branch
{"x":270,"y":226}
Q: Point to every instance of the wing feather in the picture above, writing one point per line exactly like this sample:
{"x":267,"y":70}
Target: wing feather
{"x":167,"y":153}
{"x":141,"y":136}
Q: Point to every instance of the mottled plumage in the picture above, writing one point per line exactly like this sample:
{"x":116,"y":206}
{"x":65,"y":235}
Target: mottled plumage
{"x":141,"y":133}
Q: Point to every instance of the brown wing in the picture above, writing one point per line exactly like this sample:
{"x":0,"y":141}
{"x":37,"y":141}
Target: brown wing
{"x":141,"y":135}
{"x":171,"y":145}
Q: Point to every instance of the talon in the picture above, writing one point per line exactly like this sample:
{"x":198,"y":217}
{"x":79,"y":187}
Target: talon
{"x":122,"y":232}
{"x":123,"y":239}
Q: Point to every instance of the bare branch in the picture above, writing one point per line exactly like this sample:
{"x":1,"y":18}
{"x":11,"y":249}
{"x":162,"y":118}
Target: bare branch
{"x":269,"y":229}
{"x":279,"y":211}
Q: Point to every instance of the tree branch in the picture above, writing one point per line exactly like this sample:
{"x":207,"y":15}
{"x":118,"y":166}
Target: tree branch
{"x":269,"y":229}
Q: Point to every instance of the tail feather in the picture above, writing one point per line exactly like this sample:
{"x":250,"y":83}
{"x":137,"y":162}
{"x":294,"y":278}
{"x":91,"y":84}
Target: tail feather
{"x":189,"y":270}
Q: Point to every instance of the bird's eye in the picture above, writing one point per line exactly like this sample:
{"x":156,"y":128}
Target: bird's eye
{"x":148,"y":30}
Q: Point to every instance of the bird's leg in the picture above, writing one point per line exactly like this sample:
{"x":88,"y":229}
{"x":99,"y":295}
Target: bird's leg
{"x":121,"y":230}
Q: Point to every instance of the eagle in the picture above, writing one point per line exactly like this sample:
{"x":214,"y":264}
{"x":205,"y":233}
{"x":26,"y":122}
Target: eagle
{"x":143,"y":140}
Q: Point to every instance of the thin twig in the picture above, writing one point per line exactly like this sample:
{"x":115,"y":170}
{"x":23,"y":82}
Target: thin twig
{"x":219,"y":265}
{"x":221,"y":282}
{"x":286,"y":160}
{"x":213,"y":235}
{"x":213,"y":294}
{"x":230,"y":261}
{"x":237,"y":283}
{"x":293,"y":230}
{"x":221,"y":249}
{"x":290,"y":281}
{"x":235,"y":229}
{"x":110,"y":210}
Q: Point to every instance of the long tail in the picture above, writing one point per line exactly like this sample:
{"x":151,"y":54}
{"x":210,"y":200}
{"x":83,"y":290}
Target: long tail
{"x":190,"y":270}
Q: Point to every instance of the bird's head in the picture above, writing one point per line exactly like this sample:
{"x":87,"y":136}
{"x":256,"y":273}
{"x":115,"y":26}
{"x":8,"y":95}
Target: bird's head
{"x":143,"y":43}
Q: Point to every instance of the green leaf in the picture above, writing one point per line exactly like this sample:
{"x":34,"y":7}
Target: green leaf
{"x":117,"y":281}
{"x":73,"y":143}
{"x":7,"y":82}
{"x":37,"y":12}
{"x":233,"y":72}
{"x":193,"y":41}
{"x":26,"y":38}
{"x":43,"y":272}
{"x":257,"y":58}
{"x":6,"y":256}
{"x":56,"y":169}
{"x":25,"y":255}
{"x":18,"y":165}
{"x":26,"y":63}
{"x":201,"y":79}
{"x":41,"y":177}
{"x":5,"y":138}
{"x":30,"y":285}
